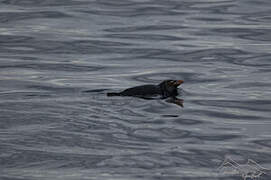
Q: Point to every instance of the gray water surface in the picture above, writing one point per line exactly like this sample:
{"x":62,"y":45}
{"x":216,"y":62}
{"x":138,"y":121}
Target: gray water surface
{"x":58,"y":59}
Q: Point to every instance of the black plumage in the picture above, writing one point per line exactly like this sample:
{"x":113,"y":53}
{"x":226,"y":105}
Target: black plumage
{"x":167,"y":88}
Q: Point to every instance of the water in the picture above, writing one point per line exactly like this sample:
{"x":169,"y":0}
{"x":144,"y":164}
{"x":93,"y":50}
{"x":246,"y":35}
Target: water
{"x":58,"y":59}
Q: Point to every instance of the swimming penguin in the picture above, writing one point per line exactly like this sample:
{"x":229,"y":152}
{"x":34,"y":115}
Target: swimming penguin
{"x":165,"y":89}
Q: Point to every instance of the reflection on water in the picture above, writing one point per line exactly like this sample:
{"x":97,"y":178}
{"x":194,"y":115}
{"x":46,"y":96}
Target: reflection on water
{"x":60,"y":58}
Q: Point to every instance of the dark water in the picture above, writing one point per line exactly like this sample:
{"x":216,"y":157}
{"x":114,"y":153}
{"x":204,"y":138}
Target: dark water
{"x":59,"y":58}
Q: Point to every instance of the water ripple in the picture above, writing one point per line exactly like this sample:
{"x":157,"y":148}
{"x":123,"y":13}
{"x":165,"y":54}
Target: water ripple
{"x":58,"y":59}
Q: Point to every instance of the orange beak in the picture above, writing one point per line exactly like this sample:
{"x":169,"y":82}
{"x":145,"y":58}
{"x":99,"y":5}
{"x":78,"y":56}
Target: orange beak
{"x":179,"y":82}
